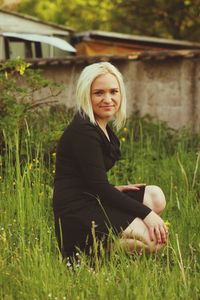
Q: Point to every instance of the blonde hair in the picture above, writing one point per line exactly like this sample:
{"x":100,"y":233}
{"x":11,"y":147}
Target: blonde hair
{"x":83,"y":91}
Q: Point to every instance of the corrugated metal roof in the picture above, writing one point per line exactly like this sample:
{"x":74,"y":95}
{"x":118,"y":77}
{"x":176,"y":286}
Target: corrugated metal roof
{"x":127,"y":38}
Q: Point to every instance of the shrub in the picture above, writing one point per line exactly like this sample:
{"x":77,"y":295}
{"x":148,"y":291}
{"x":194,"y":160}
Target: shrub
{"x":18,"y":108}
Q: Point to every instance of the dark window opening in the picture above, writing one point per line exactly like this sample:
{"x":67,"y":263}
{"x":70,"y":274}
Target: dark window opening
{"x":24,"y":49}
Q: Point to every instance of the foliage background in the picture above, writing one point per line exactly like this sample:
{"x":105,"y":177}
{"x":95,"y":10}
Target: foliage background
{"x":178,"y":19}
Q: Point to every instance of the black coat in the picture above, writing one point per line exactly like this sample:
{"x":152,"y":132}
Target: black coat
{"x":82,"y":193}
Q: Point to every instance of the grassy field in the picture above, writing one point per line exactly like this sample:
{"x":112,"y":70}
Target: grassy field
{"x":30,"y":263}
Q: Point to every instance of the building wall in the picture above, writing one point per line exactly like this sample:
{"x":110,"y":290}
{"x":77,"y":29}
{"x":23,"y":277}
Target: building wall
{"x":167,"y":90}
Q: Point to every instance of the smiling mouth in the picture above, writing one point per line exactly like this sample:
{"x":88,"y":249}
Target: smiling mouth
{"x":106,"y":106}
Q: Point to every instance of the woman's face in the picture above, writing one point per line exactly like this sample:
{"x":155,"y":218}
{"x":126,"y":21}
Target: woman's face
{"x":105,"y":97}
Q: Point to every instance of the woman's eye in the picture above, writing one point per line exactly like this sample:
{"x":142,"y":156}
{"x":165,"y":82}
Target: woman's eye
{"x":98,"y":93}
{"x":114,"y":92}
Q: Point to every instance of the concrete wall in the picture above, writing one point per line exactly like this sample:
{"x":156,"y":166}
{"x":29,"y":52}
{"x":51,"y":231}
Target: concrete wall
{"x":167,"y":90}
{"x":2,"y":53}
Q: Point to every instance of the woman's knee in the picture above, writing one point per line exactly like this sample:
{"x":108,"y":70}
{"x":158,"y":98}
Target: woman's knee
{"x":155,"y":198}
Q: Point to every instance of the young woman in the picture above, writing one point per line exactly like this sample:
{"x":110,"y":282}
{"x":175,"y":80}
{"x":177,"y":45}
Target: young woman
{"x":83,"y":198}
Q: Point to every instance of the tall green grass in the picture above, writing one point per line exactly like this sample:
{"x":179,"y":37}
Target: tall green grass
{"x":30,"y":263}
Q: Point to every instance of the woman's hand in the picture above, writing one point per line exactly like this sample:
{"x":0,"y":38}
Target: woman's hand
{"x":134,"y":187}
{"x":157,"y":228}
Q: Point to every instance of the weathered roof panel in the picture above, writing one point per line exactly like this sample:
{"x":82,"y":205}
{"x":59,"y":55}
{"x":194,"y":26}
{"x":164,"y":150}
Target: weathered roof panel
{"x":8,"y":24}
{"x":127,"y":38}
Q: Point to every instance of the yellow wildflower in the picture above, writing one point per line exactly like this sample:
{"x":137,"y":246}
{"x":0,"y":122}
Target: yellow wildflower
{"x":22,"y":67}
{"x":36,"y":160}
{"x":123,"y":139}
{"x":125,"y":129}
{"x":167,"y":223}
{"x":3,"y":237}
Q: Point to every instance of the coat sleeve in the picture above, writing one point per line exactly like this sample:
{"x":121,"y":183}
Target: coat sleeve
{"x":87,"y":150}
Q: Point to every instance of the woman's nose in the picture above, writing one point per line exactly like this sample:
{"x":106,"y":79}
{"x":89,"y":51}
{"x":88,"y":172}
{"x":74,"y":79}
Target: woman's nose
{"x":107,"y":98}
